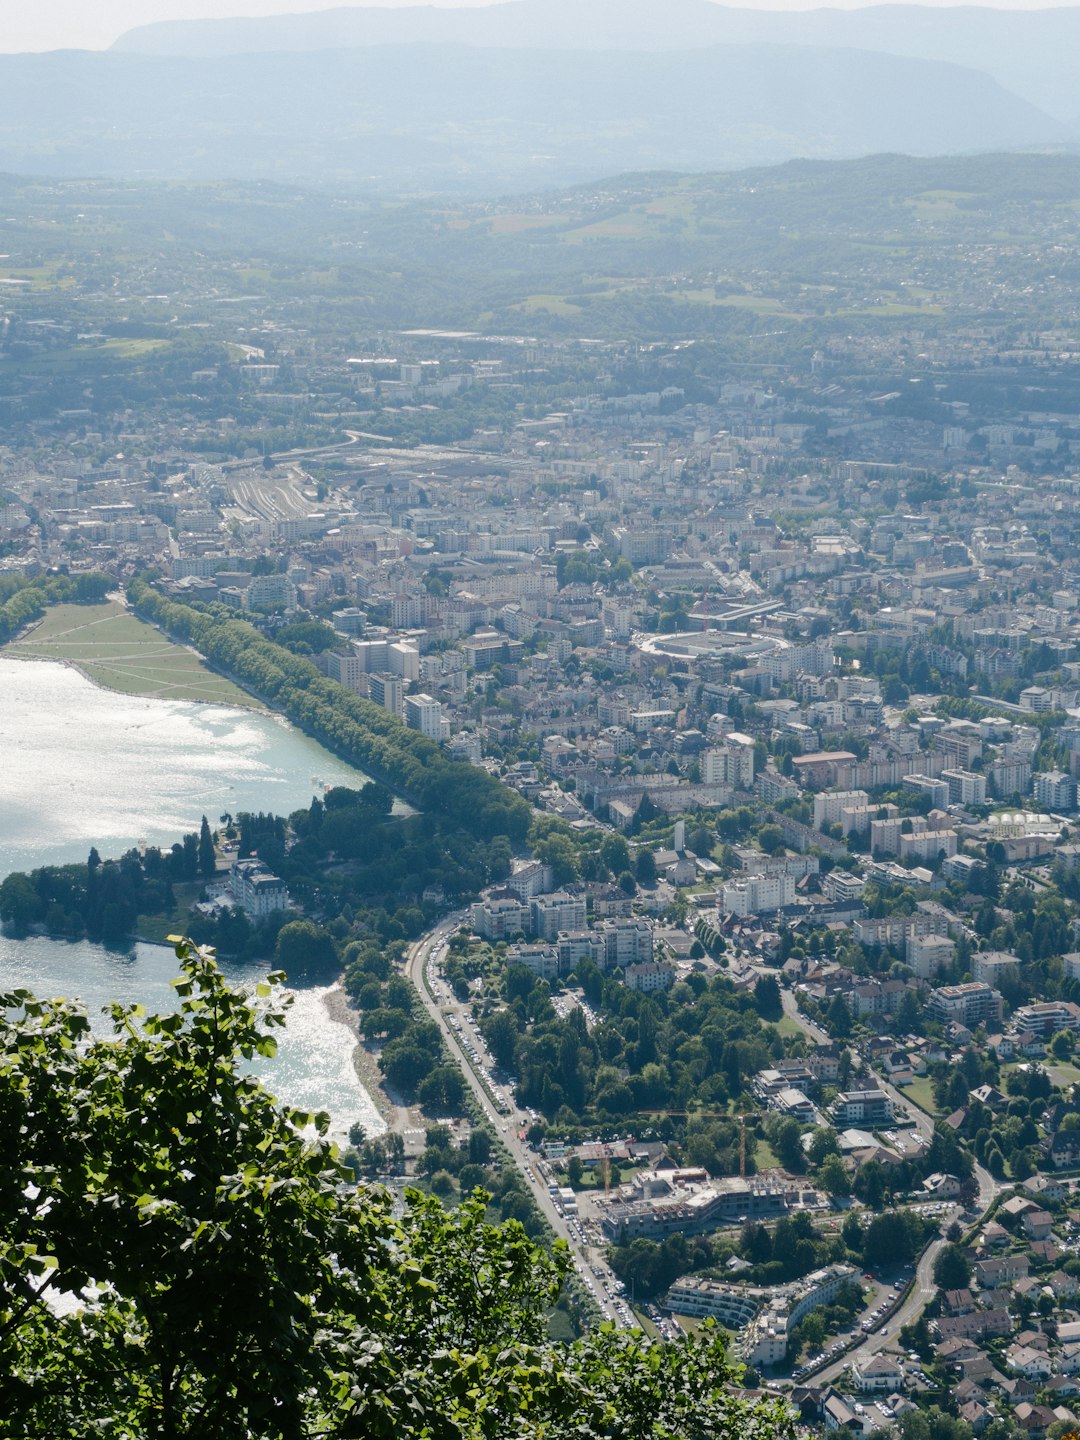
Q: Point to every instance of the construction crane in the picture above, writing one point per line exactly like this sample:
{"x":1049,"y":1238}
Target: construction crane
{"x":715,"y":1115}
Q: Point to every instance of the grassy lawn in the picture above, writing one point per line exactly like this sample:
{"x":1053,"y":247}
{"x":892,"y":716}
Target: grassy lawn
{"x":115,"y":650}
{"x":765,"y":1157}
{"x":174,"y":922}
{"x":921,"y":1093}
{"x":787,"y":1026}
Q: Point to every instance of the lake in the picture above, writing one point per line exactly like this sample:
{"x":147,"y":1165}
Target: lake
{"x":82,"y":767}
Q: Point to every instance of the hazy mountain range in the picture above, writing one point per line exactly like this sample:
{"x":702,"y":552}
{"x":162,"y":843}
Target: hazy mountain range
{"x":539,"y":92}
{"x":1035,"y":53}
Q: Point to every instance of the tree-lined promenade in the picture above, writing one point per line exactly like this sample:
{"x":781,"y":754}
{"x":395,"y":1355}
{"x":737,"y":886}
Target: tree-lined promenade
{"x":363,"y":733}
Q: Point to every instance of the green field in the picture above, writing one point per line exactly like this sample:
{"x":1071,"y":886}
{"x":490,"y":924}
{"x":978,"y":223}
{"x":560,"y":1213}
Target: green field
{"x":921,"y":1093}
{"x":765,"y":1157}
{"x":787,"y":1026}
{"x":119,"y":652}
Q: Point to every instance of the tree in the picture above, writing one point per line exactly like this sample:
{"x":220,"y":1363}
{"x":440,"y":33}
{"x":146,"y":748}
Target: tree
{"x":190,"y":857}
{"x":839,"y":1017}
{"x":615,"y":853}
{"x":645,"y":869}
{"x":832,"y":1177}
{"x":767,"y":997}
{"x":770,"y":838}
{"x":786,"y":1139}
{"x":207,"y":854}
{"x":20,"y":904}
{"x":892,"y":1238}
{"x":501,"y":1035}
{"x":823,"y":1142}
{"x":575,"y":1172}
{"x":304,"y":948}
{"x":1061,"y":1046}
{"x":951,"y":1268}
{"x":246,"y":1290}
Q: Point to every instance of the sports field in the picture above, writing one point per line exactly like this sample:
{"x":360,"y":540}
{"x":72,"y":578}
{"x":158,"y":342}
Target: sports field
{"x":119,"y":652}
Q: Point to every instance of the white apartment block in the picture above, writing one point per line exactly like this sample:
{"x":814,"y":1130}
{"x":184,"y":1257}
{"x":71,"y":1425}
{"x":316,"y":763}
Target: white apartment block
{"x":650,"y":975}
{"x":975,"y":1003}
{"x":1055,"y":790}
{"x":497,"y":918}
{"x":758,"y":894}
{"x":928,"y":955}
{"x":388,"y":691}
{"x":542,"y":960}
{"x":626,"y":942}
{"x":556,"y":912}
{"x":829,"y":805}
{"x":990,"y":965}
{"x":966,"y":787}
{"x":730,"y":764}
{"x":424,"y":714}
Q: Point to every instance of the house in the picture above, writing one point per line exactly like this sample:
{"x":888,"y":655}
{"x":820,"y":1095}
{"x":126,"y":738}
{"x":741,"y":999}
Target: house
{"x":1017,"y":1388}
{"x":1001,"y":1270}
{"x":1033,"y":1420}
{"x":959,"y":1302}
{"x":942,"y":1187}
{"x":974,"y":1326}
{"x":878,"y":1374}
{"x":1017,"y":1205}
{"x":1045,"y":1188}
{"x":976,"y":1414}
{"x":1044,"y":1252}
{"x":1035,"y":1338}
{"x":1028,"y":1287}
{"x":992,"y":1235}
{"x":979,"y":1370}
{"x":837,"y":1413}
{"x":1063,"y":1150}
{"x":956,"y":1350}
{"x":1037,"y":1224}
{"x":1032,"y":1364}
{"x":1064,"y":1287}
{"x":989,"y":1096}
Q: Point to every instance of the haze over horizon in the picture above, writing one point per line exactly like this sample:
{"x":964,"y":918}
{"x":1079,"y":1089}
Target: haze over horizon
{"x":70,"y":24}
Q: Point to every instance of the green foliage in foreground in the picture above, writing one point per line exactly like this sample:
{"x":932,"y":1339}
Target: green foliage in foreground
{"x":234,"y":1285}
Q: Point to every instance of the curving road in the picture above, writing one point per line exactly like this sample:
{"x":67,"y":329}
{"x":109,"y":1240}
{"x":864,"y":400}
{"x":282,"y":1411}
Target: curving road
{"x":922,"y":1286}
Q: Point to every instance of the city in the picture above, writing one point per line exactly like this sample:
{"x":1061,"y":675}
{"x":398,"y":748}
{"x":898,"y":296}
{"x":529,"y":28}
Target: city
{"x":711,"y":895}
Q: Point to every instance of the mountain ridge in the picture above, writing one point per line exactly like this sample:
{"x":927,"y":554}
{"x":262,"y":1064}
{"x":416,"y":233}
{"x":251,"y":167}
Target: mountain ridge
{"x":457,"y":119}
{"x":1035,"y":53}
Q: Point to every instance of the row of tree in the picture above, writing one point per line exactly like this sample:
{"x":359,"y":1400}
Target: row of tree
{"x":365,"y":734}
{"x":27,"y":600}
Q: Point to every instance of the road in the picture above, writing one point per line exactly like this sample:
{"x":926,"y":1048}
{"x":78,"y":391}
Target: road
{"x":505,"y":1127}
{"x":923,"y":1287}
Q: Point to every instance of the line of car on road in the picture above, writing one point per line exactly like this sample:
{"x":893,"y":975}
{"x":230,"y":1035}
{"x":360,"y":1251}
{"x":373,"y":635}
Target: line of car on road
{"x":862,"y":1330}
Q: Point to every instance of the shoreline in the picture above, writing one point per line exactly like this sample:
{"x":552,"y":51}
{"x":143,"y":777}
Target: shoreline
{"x":397,"y":1115}
{"x":10,"y":652}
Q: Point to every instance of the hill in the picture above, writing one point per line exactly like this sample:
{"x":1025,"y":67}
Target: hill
{"x":1035,"y":53}
{"x":400,"y":118}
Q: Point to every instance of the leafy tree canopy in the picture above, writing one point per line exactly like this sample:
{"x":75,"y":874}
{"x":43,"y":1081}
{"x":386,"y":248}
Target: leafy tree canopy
{"x":227,"y":1280}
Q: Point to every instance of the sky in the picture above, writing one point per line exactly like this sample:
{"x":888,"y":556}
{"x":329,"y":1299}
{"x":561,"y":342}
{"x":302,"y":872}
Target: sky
{"x":95,"y":24}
